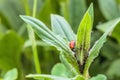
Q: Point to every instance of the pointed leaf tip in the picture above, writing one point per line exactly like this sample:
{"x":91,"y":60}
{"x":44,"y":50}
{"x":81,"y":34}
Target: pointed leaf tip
{"x":61,"y":27}
{"x":21,"y":16}
{"x":84,"y":34}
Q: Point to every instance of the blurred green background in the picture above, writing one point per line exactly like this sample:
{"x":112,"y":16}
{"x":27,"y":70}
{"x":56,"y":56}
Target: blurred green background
{"x":15,"y":47}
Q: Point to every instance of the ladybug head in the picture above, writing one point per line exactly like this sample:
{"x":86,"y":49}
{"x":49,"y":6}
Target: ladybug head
{"x":72,"y":45}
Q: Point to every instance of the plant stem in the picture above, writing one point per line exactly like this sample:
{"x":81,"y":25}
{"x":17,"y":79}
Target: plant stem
{"x":32,"y":39}
{"x":26,"y":6}
{"x":34,"y":46}
{"x":34,"y":49}
{"x":86,"y":72}
{"x":0,"y":21}
{"x":34,"y":8}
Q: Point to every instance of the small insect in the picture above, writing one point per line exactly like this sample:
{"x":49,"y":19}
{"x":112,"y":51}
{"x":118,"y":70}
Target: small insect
{"x":72,"y":45}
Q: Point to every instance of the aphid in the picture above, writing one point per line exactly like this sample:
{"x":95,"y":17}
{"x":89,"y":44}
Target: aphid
{"x":72,"y":45}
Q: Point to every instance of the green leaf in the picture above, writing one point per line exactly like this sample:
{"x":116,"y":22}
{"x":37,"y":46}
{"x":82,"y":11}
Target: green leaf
{"x":77,"y":9}
{"x":115,"y":33}
{"x":11,"y":19}
{"x":11,"y":74}
{"x":38,"y":43}
{"x":78,"y":77}
{"x":1,"y":79}
{"x":2,"y":30}
{"x":113,"y":70}
{"x":70,"y":64}
{"x":64,"y":9}
{"x":46,"y":77}
{"x":10,"y":49}
{"x":94,"y":51}
{"x":61,"y":27}
{"x":99,"y":77}
{"x":112,"y":48}
{"x":105,"y":26}
{"x":109,"y":8}
{"x":47,"y":35}
{"x":84,"y":34}
{"x":47,"y":9}
{"x":59,"y":70}
{"x":51,"y":77}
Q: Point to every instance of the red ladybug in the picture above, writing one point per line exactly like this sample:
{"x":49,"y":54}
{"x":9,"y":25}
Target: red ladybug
{"x":72,"y":45}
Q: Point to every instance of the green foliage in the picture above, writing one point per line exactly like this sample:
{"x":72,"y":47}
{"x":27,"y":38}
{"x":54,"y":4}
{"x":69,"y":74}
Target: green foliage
{"x":113,"y":70}
{"x":62,"y":28}
{"x":46,"y":77}
{"x":55,"y":40}
{"x":84,"y":34}
{"x":99,"y":77}
{"x":47,"y":35}
{"x":47,"y":9}
{"x":50,"y":77}
{"x":59,"y":70}
{"x":111,"y":48}
{"x":76,"y":10}
{"x":67,"y":57}
{"x":110,"y":9}
{"x":70,"y":64}
{"x":96,"y":47}
{"x":11,"y":45}
{"x":78,"y":77}
{"x":115,"y":23}
{"x":9,"y":13}
{"x":11,"y":74}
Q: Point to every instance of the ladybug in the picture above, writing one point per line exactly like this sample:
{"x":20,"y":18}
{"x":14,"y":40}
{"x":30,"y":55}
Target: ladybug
{"x":72,"y":45}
